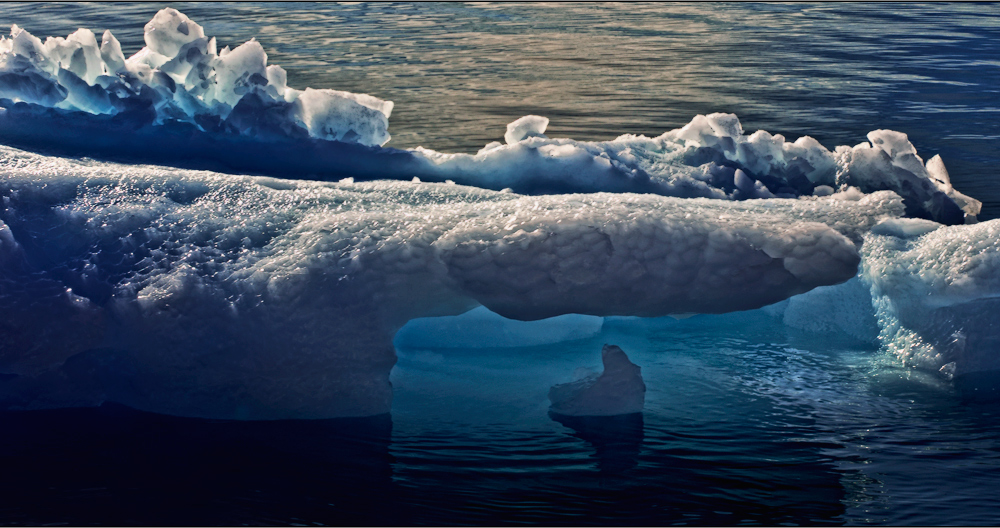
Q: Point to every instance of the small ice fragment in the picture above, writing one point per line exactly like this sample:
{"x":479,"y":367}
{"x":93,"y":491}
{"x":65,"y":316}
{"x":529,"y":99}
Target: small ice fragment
{"x":525,"y":127}
{"x":618,"y":390}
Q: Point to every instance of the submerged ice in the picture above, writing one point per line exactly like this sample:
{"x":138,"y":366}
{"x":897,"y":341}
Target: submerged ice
{"x":212,"y":294}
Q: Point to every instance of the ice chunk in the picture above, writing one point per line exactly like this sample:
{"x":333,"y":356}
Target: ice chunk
{"x":169,"y":30}
{"x":179,"y":77}
{"x":525,"y":127}
{"x":891,"y":162}
{"x":214,"y":295}
{"x":937,"y":292}
{"x":333,"y":115}
{"x":619,"y":389}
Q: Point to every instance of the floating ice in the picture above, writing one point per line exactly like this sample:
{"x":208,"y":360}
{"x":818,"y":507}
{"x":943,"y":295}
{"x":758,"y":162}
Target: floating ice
{"x":525,"y":127}
{"x":619,"y":389}
{"x":180,"y":77}
{"x":937,"y":293}
{"x":229,"y":110}
{"x":205,"y":294}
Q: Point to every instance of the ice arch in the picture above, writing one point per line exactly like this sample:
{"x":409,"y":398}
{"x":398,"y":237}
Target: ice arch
{"x":201,"y":294}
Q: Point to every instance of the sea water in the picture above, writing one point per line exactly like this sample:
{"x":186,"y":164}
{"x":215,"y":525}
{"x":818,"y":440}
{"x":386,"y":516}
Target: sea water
{"x":745,"y":422}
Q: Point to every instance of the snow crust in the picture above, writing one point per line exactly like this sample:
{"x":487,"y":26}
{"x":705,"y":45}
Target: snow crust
{"x":619,"y":389}
{"x":205,"y":294}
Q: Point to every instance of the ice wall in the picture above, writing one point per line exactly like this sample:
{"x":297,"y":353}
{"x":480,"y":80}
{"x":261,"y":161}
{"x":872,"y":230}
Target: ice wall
{"x":937,"y":293}
{"x":205,"y":294}
{"x":229,"y":110}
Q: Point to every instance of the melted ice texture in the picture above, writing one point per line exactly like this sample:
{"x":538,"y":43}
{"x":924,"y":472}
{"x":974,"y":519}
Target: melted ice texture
{"x":219,"y":295}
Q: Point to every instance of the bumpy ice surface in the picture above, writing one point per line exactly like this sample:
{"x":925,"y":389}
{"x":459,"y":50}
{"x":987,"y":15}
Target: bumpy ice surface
{"x":937,"y":293}
{"x":212,"y":295}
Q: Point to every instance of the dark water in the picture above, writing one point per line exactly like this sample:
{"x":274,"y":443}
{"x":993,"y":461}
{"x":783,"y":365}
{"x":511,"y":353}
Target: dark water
{"x":744,"y":423}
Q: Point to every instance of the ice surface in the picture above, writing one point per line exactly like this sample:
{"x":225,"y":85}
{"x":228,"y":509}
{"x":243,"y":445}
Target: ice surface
{"x":937,"y":293}
{"x":206,"y":294}
{"x":619,"y":389}
{"x":525,"y":127}
{"x":229,"y":110}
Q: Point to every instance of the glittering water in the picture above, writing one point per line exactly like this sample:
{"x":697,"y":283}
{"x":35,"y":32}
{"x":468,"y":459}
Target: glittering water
{"x":744,"y":422}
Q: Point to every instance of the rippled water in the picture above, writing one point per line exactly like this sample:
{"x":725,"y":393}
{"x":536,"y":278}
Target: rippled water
{"x":741,"y":427}
{"x":750,"y":425}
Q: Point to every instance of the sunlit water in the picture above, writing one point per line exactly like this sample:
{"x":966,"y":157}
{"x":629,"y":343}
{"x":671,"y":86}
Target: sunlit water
{"x":744,"y":422}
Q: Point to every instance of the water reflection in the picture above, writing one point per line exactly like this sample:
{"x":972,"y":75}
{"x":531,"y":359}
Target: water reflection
{"x":616,"y":439}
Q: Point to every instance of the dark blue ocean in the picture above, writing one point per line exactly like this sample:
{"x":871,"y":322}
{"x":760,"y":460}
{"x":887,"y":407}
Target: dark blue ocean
{"x":745,"y":421}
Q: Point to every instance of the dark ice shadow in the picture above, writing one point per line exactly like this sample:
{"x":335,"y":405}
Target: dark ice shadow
{"x":617,"y":440}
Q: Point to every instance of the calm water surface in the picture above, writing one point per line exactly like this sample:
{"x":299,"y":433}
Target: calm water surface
{"x":744,"y":423}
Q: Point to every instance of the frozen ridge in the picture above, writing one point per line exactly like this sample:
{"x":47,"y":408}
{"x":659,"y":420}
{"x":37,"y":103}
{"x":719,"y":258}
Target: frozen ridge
{"x":229,"y":110}
{"x":204,"y":294}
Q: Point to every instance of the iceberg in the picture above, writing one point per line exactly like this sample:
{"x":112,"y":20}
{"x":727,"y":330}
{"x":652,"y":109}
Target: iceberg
{"x":206,"y":294}
{"x":215,"y":243}
{"x":231,"y":111}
